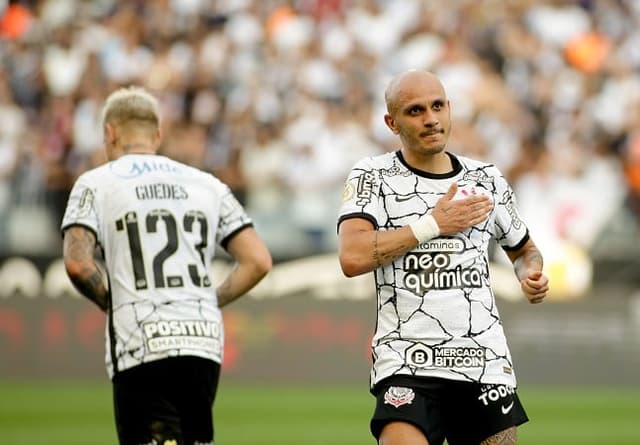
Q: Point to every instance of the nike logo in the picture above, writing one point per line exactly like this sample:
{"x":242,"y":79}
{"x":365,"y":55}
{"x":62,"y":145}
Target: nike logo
{"x":506,"y":409}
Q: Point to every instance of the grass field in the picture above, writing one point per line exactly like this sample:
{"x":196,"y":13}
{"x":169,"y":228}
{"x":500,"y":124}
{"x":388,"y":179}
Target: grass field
{"x":80,"y":413}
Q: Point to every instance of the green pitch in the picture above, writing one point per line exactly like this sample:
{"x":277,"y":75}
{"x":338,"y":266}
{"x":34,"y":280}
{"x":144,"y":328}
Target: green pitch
{"x":80,"y":413}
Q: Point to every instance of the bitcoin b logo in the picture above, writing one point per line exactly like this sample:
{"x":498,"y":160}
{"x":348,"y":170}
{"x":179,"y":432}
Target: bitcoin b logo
{"x":420,"y":356}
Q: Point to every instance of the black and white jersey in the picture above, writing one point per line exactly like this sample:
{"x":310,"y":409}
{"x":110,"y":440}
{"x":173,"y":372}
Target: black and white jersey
{"x":158,"y":222}
{"x":436,"y":313}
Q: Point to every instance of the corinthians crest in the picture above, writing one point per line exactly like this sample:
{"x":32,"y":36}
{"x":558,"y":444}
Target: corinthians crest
{"x":398,"y":396}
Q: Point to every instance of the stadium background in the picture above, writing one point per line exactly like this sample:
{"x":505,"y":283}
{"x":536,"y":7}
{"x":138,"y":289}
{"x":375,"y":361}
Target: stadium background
{"x":279,"y":99}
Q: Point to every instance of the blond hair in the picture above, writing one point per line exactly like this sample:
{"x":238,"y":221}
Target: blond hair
{"x":131,"y":105}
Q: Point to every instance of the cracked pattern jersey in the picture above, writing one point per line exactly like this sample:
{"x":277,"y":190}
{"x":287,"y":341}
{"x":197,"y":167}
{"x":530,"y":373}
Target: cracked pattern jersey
{"x":158,"y":222}
{"x":436,"y":313}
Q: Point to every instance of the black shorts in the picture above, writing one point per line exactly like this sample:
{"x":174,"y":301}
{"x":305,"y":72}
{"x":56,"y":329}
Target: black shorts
{"x":464,"y":413}
{"x":166,"y":400}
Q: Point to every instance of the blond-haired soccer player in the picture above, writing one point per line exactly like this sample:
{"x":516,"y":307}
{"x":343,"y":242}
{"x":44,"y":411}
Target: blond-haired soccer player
{"x":158,"y":223}
{"x":421,"y":219}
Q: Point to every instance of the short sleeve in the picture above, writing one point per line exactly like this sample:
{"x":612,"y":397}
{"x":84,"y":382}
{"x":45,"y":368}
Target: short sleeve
{"x":81,"y":207}
{"x":511,"y":231}
{"x":233,"y":217}
{"x":360,"y":195}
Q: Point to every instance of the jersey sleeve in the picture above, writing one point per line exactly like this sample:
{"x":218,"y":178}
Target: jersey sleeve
{"x":360,"y":194}
{"x":81,"y":207}
{"x":511,"y":231}
{"x":233,"y":217}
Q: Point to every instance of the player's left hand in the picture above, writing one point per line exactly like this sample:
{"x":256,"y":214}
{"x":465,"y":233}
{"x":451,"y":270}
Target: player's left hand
{"x":535,"y":286}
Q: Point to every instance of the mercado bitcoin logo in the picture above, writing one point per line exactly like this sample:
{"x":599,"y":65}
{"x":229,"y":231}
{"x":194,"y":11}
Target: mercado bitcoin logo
{"x":423,"y":356}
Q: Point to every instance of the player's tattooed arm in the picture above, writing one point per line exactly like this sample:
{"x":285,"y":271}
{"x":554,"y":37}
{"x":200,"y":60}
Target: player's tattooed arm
{"x":527,"y":264}
{"x":506,"y":437}
{"x":363,"y":249}
{"x":85,"y":274}
{"x":390,"y":253}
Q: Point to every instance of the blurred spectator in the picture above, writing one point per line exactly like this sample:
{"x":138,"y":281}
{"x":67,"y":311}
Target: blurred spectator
{"x":14,"y":21}
{"x":279,"y":98}
{"x":11,"y":132}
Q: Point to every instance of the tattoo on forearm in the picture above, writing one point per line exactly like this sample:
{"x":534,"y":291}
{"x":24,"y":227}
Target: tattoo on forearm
{"x":382,"y":257}
{"x":394,"y":253}
{"x":531,"y":258}
{"x":534,"y":256}
{"x":376,"y":255}
{"x":91,"y":284}
{"x":79,"y":245}
{"x":506,"y":437}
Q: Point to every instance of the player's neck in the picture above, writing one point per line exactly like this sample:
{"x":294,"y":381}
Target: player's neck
{"x":137,"y":148}
{"x":115,"y":151}
{"x":436,"y":163}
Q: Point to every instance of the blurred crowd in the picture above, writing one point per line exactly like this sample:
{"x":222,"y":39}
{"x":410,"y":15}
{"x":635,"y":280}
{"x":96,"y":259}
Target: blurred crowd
{"x":280,"y":98}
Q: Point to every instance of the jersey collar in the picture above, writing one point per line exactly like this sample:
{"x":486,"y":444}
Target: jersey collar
{"x":455,"y":163}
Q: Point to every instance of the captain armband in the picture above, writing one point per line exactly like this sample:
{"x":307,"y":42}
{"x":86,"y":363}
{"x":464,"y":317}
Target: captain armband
{"x":425,"y":228}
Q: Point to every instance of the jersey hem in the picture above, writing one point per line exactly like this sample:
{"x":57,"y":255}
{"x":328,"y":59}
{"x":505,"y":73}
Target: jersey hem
{"x":112,"y":371}
{"x":417,"y":379}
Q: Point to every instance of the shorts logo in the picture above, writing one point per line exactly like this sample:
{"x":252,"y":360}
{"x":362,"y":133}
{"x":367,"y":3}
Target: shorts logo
{"x":492,"y":393}
{"x":506,"y":409}
{"x":398,"y":396}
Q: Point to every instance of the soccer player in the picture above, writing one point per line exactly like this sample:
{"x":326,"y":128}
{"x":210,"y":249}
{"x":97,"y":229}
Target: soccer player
{"x":421,"y":219}
{"x":158,"y":222}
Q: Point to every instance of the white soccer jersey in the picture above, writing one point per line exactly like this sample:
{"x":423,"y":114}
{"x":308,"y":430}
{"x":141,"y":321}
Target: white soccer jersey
{"x":436,"y":313}
{"x":158,"y":222}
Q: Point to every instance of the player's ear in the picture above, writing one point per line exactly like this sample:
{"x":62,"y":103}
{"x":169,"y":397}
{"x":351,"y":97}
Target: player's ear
{"x":109,"y":133}
{"x":158,"y":137}
{"x":391,"y":123}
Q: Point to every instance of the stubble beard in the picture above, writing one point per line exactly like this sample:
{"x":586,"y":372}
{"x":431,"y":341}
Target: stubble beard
{"x":420,"y":147}
{"x":431,"y":149}
{"x":434,"y":150}
{"x":423,"y":147}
